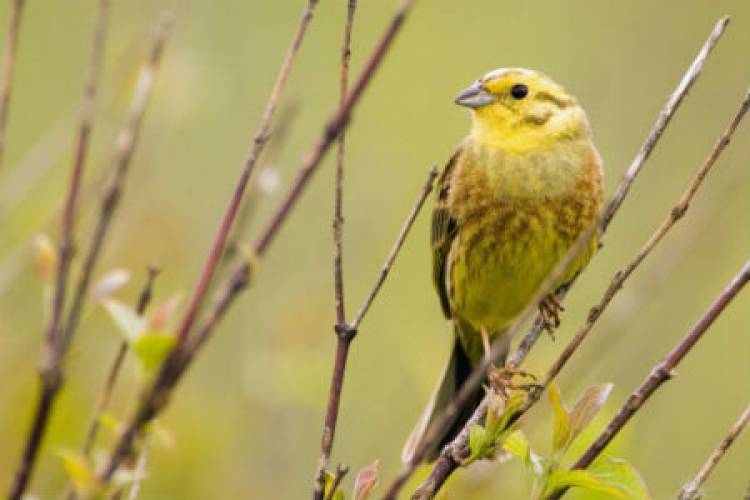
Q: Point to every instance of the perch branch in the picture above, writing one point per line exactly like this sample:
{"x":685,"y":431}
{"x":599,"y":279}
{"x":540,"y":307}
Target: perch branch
{"x":691,"y":488}
{"x":446,"y":463}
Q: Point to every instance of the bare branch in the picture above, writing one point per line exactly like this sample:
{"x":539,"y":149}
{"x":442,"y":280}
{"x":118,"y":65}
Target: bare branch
{"x":341,"y":471}
{"x":344,"y":333}
{"x":446,"y":462}
{"x":690,"y":491}
{"x":105,"y":395}
{"x":174,"y":366}
{"x":125,"y":145}
{"x":9,"y":64}
{"x":259,"y":142}
{"x":663,"y":371}
{"x":50,"y":368}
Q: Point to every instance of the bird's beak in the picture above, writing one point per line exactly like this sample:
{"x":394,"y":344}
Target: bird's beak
{"x":475,"y":97}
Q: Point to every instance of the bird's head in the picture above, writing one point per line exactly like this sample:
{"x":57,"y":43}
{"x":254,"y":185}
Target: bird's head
{"x":521,"y":109}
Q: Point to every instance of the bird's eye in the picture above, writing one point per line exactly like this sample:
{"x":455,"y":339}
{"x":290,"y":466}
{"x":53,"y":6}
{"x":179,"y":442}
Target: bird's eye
{"x":519,"y":91}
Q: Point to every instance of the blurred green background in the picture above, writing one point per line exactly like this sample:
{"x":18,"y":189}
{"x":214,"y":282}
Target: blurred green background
{"x":246,"y":420}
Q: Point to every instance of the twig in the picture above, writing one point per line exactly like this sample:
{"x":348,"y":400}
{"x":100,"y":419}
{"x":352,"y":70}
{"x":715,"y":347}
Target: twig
{"x":173,"y":367}
{"x":9,"y":63}
{"x":50,"y":369}
{"x":126,"y":142}
{"x":341,"y":471}
{"x":690,"y":489}
{"x":663,"y":371}
{"x":343,"y":332}
{"x":105,"y":395}
{"x":259,"y":142}
{"x":446,"y":463}
{"x":346,"y":332}
{"x":140,"y":474}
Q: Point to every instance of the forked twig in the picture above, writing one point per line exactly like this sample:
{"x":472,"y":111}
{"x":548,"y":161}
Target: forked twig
{"x":346,"y":332}
{"x":343,"y":332}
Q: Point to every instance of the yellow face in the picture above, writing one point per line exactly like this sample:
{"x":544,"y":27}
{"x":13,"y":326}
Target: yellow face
{"x":522,"y":109}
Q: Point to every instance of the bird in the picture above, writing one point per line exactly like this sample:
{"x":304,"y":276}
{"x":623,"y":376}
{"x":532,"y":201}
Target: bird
{"x":519,"y":190}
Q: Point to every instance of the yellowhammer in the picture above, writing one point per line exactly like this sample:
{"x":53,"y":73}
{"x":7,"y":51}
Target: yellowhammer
{"x":520,"y":189}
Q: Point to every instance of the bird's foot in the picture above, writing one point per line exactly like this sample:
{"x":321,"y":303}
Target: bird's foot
{"x":502,"y":381}
{"x":549,"y":310}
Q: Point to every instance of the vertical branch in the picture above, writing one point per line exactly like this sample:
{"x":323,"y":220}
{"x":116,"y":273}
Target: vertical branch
{"x":690,"y":491}
{"x":343,"y":332}
{"x":50,"y":369}
{"x":259,"y":142}
{"x":125,"y":145}
{"x":663,"y":371}
{"x":9,"y":64}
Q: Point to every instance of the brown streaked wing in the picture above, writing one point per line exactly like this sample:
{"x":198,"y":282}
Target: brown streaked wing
{"x":444,"y":229}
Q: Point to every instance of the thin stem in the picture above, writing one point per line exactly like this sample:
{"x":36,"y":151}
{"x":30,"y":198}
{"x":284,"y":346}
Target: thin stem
{"x":9,"y":64}
{"x":174,"y":366}
{"x":344,"y":333}
{"x":331,"y":131}
{"x":125,"y":145}
{"x":341,"y":471}
{"x":690,"y":491}
{"x":259,"y":142}
{"x":140,"y":474}
{"x":50,"y":368}
{"x":663,"y":371}
{"x":105,"y":395}
{"x":446,"y":463}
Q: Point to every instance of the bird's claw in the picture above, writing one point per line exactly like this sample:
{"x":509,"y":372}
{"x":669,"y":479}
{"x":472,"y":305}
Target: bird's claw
{"x":501,"y":380}
{"x":549,"y":310}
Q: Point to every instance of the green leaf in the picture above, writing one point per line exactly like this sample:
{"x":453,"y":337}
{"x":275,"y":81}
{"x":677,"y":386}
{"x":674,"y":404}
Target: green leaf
{"x":477,"y":443}
{"x":366,"y":481}
{"x":79,"y":471}
{"x":561,"y":432}
{"x":518,"y":445}
{"x":560,"y":479}
{"x":338,"y":494}
{"x":151,"y":348}
{"x":619,"y":474}
{"x":587,"y":407}
{"x":131,"y":325}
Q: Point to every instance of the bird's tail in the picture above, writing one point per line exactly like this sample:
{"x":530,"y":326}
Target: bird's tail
{"x":456,"y":372}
